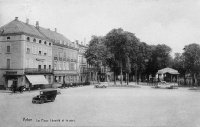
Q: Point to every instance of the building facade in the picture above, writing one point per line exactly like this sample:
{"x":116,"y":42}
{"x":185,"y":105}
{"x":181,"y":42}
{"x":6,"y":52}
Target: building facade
{"x":32,"y":55}
{"x":82,"y":63}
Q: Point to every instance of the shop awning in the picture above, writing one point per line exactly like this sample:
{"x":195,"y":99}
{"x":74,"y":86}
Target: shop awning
{"x":37,"y":79}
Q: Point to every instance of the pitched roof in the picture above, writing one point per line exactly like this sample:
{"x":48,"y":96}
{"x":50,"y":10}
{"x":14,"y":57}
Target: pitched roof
{"x":19,"y":27}
{"x":52,"y":35}
{"x":167,"y":70}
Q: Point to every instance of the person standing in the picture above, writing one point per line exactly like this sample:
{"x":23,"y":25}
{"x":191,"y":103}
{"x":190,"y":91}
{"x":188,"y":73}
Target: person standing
{"x":14,"y":86}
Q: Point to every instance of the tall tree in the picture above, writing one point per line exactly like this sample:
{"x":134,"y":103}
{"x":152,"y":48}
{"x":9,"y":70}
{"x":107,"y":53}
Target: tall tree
{"x":114,"y":41}
{"x":119,"y":43}
{"x":96,"y":53}
{"x":160,"y":58}
{"x":178,"y":64}
{"x":192,"y":60}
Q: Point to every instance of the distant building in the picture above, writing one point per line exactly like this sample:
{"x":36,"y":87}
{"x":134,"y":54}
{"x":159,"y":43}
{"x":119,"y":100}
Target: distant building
{"x":82,"y":63}
{"x":32,"y":55}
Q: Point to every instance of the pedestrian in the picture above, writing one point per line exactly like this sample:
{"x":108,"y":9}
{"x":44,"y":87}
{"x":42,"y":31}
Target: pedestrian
{"x":29,"y":88}
{"x":14,"y":87}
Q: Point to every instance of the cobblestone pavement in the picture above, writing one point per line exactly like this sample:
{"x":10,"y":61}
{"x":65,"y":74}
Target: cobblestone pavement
{"x":111,"y":107}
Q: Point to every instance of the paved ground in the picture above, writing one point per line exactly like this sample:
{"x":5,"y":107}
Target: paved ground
{"x":89,"y":106}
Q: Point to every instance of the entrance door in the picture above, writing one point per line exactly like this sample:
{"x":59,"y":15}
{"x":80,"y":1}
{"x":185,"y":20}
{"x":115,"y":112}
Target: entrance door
{"x":15,"y":82}
{"x":10,"y":82}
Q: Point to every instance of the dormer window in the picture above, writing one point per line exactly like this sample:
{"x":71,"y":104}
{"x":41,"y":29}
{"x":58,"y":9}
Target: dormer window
{"x":40,"y":41}
{"x":49,"y":44}
{"x":34,"y":40}
{"x":28,"y":38}
{"x":45,"y":42}
{"x":8,"y":38}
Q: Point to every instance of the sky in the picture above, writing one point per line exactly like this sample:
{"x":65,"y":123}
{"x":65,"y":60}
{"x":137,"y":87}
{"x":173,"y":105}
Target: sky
{"x":175,"y":23}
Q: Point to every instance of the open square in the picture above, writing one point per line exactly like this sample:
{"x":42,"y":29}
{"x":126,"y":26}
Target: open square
{"x":89,"y":106}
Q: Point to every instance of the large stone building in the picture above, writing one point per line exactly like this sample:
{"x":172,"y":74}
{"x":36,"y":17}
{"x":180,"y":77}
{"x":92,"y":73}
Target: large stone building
{"x":32,"y":55}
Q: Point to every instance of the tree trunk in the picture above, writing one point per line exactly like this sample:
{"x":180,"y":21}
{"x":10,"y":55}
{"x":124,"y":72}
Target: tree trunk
{"x":114,"y":78}
{"x":136,"y":75}
{"x":184,"y":78}
{"x":127,"y":78}
{"x":195,"y":79}
{"x":140,"y":79}
{"x":121,"y":75}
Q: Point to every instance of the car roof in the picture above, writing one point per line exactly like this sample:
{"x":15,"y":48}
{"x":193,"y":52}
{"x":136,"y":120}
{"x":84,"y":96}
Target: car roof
{"x":48,"y":90}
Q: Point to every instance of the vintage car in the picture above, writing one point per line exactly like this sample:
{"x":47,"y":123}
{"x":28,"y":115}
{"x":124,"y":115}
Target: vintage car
{"x":45,"y":96}
{"x":164,"y":84}
{"x":101,"y":85}
{"x":15,"y":88}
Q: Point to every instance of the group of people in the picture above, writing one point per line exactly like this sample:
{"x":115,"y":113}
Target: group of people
{"x":14,"y":88}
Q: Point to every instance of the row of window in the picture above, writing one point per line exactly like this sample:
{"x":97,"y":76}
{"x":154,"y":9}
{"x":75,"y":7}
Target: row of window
{"x":64,"y":66}
{"x":66,"y":79}
{"x":32,"y":63}
{"x":39,"y":41}
{"x":29,"y":39}
{"x":34,"y":40}
{"x":71,"y":44}
{"x":66,"y":54}
{"x":44,"y":67}
{"x":82,"y":60}
{"x":39,"y":66}
{"x":38,"y":50}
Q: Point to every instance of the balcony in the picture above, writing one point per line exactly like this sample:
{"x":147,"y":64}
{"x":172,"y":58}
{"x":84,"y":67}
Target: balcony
{"x":38,"y":71}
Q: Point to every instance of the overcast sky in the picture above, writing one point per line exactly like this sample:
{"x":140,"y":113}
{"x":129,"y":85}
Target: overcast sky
{"x":175,"y":23}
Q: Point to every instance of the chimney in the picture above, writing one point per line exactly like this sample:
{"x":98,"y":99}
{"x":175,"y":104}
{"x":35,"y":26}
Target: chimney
{"x":56,"y":30}
{"x":37,"y":24}
{"x":27,"y":21}
{"x":16,"y":18}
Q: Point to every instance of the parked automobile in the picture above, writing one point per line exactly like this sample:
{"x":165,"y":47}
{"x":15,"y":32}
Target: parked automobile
{"x":20,"y":88}
{"x":101,"y":85}
{"x":45,"y":96}
{"x":164,"y":84}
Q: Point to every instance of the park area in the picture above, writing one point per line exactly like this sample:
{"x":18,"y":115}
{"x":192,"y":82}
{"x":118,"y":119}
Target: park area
{"x":87,"y":106}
